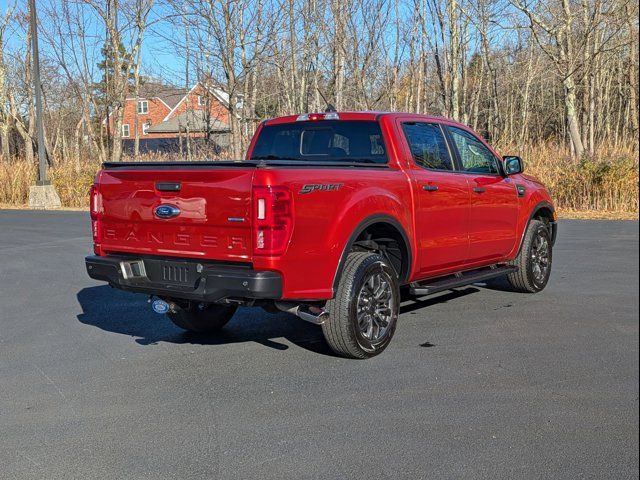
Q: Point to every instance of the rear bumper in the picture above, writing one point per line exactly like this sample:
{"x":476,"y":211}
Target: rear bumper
{"x":184,"y":278}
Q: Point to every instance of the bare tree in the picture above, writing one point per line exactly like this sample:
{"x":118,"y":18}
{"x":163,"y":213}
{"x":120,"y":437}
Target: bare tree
{"x":5,"y":117}
{"x":552,"y":29}
{"x":520,"y":71}
{"x":120,"y":60}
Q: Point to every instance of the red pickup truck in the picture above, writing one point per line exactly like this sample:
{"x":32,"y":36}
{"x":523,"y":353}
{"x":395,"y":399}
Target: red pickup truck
{"x":330,"y":217}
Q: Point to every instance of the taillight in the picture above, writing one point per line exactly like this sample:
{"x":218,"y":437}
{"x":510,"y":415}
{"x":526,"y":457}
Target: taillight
{"x":314,"y":117}
{"x":95,"y":209}
{"x":272,"y":219}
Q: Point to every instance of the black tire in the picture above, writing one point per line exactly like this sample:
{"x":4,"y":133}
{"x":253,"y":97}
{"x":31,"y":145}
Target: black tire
{"x":531,"y":276}
{"x":345,"y":334}
{"x":201,"y":317}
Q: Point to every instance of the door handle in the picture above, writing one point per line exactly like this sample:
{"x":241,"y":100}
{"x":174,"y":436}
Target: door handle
{"x":479,"y":189}
{"x":430,"y":188}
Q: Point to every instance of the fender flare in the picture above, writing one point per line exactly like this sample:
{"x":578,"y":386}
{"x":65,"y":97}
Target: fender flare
{"x":554,"y":225}
{"x":378,"y":218}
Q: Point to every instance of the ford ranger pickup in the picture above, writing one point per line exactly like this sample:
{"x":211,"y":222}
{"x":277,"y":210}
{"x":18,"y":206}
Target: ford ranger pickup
{"x":331,"y":216}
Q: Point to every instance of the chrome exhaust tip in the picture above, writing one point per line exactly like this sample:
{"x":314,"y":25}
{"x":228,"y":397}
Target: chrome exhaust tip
{"x":308,"y":313}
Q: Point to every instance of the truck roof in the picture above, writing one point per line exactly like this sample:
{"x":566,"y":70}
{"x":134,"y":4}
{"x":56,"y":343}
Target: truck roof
{"x":369,"y":115}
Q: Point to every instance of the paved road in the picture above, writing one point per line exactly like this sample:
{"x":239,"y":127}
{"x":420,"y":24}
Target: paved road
{"x":481,"y":383}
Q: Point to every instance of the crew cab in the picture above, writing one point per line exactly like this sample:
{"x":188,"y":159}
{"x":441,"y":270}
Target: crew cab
{"x":331,"y":216}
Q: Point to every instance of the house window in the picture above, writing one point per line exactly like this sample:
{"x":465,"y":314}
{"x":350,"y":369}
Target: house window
{"x":202,"y":101}
{"x":143,"y":106}
{"x":145,"y":127}
{"x":125,"y":130}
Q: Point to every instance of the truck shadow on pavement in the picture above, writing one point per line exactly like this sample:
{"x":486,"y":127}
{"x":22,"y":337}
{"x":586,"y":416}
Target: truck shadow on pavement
{"x":410,"y":305}
{"x":129,"y":314}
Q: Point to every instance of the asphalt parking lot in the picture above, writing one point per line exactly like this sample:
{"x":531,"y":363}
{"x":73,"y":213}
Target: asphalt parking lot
{"x":478,"y":383}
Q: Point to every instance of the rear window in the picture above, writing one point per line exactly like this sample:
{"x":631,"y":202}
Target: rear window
{"x":324,"y":140}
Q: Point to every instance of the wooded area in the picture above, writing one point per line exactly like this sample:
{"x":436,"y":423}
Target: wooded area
{"x":562,"y":74}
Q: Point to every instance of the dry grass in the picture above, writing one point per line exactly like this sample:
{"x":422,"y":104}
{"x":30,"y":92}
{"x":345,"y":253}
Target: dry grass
{"x":567,"y":213}
{"x":72,"y":183}
{"x":602,"y":187}
{"x":606,"y":184}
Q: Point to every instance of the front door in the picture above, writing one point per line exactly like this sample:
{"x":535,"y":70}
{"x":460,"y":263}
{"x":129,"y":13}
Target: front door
{"x":441,"y":202}
{"x":494,"y":199}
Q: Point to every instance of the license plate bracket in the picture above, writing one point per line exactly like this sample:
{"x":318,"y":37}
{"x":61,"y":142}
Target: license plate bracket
{"x":167,"y":271}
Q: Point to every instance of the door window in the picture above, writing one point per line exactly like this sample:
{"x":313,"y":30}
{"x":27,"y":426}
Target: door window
{"x":428,"y":146}
{"x":474,"y":155}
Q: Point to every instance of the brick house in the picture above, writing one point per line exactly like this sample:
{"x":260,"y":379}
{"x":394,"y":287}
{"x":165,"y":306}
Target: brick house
{"x":165,"y":115}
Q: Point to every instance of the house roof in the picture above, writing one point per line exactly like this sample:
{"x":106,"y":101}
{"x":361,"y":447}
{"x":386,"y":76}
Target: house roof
{"x":168,"y":94}
{"x":172,"y":96}
{"x":197,"y":121}
{"x":221,"y":95}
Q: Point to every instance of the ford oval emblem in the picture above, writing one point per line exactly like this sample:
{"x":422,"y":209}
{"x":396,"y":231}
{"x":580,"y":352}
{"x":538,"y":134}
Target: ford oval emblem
{"x":167,"y":211}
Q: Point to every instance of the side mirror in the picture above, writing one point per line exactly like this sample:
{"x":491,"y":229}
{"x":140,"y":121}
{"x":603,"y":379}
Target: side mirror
{"x":513,"y":165}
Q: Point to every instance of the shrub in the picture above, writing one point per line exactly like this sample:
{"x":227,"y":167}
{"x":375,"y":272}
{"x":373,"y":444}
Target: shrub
{"x":606,"y":182}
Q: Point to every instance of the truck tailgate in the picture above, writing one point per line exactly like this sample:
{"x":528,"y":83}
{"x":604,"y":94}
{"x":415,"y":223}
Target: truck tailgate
{"x":208,"y":215}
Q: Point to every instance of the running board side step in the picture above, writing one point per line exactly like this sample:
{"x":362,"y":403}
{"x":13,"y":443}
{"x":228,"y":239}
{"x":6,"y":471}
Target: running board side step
{"x":459,"y":280}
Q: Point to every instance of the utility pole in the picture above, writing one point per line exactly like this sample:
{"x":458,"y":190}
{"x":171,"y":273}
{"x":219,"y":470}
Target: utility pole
{"x":42,"y":194}
{"x":42,"y":158}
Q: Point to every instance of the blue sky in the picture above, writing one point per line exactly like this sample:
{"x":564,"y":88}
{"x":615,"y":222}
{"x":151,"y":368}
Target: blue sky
{"x":158,"y":57}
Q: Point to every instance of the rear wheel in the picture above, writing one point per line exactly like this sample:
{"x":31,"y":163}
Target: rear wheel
{"x":363,"y":314}
{"x":201,"y":317}
{"x":534,"y":260}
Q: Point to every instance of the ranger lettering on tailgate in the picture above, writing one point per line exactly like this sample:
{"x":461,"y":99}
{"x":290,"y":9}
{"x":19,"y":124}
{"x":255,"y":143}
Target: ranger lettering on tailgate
{"x":177,"y":239}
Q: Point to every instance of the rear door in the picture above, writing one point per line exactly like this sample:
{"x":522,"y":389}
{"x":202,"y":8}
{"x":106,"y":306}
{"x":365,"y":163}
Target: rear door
{"x":442,"y":199}
{"x":205,"y":214}
{"x":494,"y":200}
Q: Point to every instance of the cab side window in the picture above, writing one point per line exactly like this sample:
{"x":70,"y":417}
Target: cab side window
{"x":428,"y":146}
{"x":474,"y":155}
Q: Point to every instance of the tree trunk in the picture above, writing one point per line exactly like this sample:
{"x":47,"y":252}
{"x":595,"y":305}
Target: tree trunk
{"x":339,"y":13}
{"x":524,"y":116}
{"x":76,"y":144}
{"x":633,"y":74}
{"x":4,"y":113}
{"x":136,"y":87}
{"x":22,"y":131}
{"x":572,"y":116}
{"x":454,"y":60}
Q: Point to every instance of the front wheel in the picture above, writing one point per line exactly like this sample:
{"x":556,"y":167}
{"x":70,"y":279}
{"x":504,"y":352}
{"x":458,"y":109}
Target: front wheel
{"x":363,"y":314}
{"x":201,"y":317}
{"x":534,"y":260}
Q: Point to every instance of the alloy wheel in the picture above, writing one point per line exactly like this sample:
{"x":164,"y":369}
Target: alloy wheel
{"x":540,"y":258}
{"x":375,"y":307}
